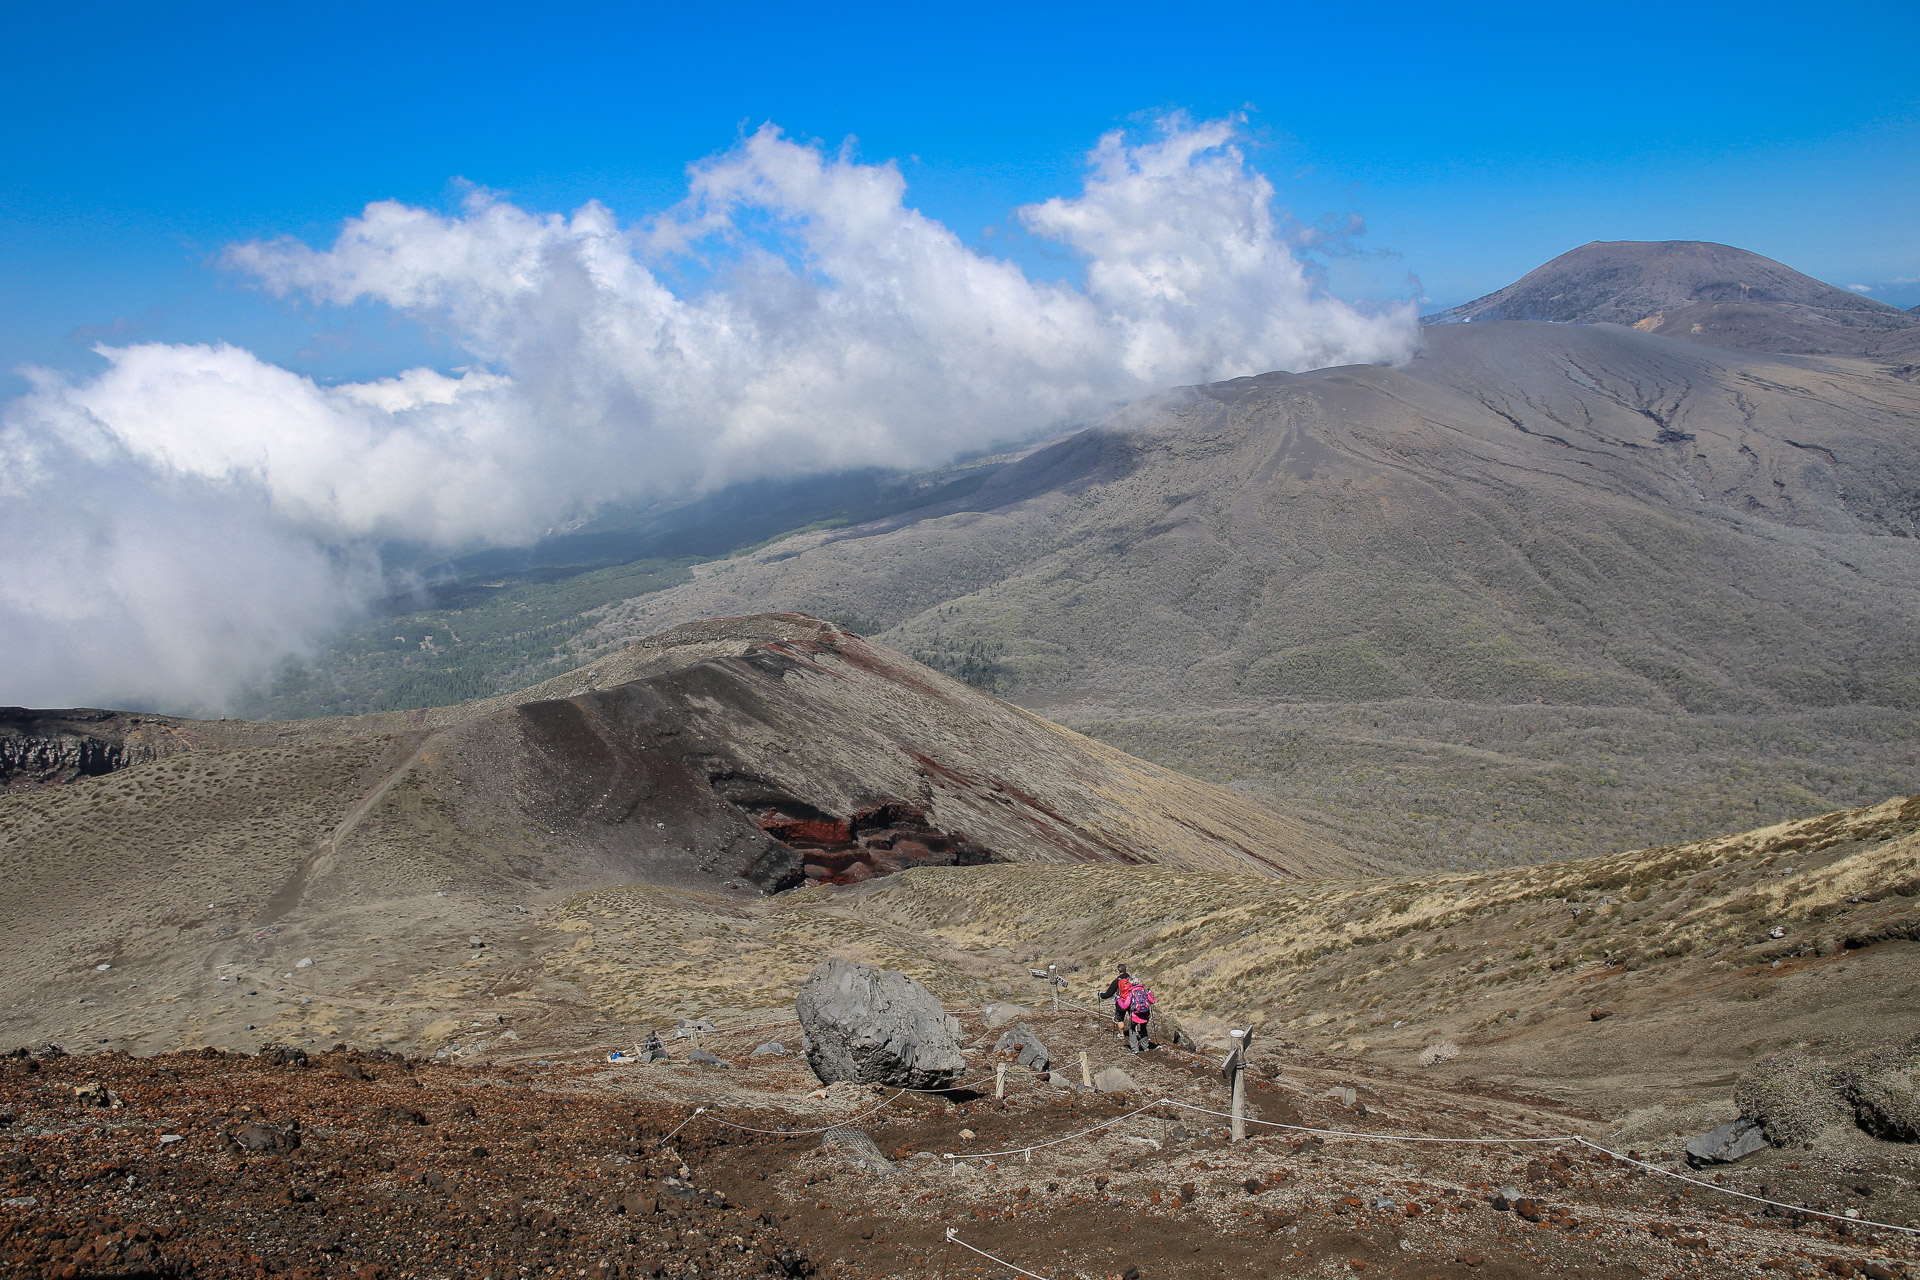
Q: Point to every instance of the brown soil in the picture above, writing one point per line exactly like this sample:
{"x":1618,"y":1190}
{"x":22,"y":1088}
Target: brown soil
{"x":422,"y":1169}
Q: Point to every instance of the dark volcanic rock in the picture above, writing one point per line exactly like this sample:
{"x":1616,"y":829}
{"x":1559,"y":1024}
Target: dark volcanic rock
{"x":45,"y":748}
{"x":864,"y":1024}
{"x":1020,"y":1039}
{"x":1732,"y":1141}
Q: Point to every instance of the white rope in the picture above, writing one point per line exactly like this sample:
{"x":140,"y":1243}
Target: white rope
{"x":953,"y":1237}
{"x":797,"y":1133}
{"x":1569,"y":1137}
{"x":1725,"y":1191}
{"x":683,"y":1124}
{"x":1377,"y":1137}
{"x":1051,"y":1142}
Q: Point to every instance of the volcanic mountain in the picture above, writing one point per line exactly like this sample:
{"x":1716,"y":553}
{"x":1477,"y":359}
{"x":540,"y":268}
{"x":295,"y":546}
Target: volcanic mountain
{"x":1711,"y":293}
{"x":725,"y":759}
{"x":1551,"y":588}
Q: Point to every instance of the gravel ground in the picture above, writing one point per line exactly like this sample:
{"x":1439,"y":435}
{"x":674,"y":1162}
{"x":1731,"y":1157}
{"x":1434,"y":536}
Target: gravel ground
{"x":373,"y":1166}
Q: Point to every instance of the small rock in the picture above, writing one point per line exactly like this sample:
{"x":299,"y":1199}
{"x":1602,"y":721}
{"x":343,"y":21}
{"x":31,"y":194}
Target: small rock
{"x":1732,"y":1141}
{"x":1778,"y":931}
{"x":1505,"y":1198}
{"x":19,"y":1202}
{"x":705,"y":1059}
{"x":966,"y":1135}
{"x":476,"y":941}
{"x":1527,"y":1207}
{"x":1598,"y":1012}
{"x":101,"y":968}
{"x":168,"y":1139}
{"x":304,"y":963}
{"x":771,"y":1049}
{"x":1114,"y":1080}
{"x":1021,"y":1040}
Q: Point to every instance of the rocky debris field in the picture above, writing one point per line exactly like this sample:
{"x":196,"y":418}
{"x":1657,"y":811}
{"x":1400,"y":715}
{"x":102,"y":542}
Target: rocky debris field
{"x":346,"y":1163}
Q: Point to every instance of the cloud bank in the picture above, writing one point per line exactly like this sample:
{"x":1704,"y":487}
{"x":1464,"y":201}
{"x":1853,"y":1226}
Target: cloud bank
{"x":182,"y":519}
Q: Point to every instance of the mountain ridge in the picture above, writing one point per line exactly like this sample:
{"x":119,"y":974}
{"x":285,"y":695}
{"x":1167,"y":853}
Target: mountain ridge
{"x":1653,"y":539}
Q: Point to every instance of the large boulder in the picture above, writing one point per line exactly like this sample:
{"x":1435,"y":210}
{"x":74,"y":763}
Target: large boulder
{"x":863,"y":1024}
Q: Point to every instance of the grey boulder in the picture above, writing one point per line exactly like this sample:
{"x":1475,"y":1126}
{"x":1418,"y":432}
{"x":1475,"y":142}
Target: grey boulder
{"x":880,"y":1027}
{"x":705,"y":1059}
{"x":1020,"y":1039}
{"x":1114,"y":1080}
{"x":771,"y":1049}
{"x":999,"y":1015}
{"x":1732,"y":1141}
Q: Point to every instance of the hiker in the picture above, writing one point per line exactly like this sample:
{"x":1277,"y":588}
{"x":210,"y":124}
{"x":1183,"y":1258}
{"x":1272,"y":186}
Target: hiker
{"x":1139,"y":1009}
{"x":1118,"y":991}
{"x":653,"y":1050}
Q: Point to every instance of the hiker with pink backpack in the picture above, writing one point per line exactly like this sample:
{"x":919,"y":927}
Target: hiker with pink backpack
{"x":1139,"y":1009}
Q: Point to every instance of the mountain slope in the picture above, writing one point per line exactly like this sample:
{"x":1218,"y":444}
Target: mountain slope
{"x":1711,"y":293}
{"x":1548,"y":589}
{"x":720,"y":760}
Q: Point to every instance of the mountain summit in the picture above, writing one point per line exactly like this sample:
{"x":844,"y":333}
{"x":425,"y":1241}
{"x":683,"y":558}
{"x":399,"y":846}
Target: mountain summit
{"x":1711,"y":293}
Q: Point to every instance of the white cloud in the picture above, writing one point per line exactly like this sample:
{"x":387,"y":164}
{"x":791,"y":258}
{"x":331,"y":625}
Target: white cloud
{"x":1861,"y":288}
{"x":840,"y":328}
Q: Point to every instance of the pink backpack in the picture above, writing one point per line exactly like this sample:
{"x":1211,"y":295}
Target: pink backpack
{"x":1140,"y":1001}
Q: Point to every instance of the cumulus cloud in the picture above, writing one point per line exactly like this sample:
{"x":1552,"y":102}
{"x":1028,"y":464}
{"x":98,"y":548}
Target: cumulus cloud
{"x":835,"y":327}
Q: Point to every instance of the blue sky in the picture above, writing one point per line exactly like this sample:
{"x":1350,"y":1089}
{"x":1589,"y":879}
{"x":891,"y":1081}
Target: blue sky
{"x":1476,"y":141}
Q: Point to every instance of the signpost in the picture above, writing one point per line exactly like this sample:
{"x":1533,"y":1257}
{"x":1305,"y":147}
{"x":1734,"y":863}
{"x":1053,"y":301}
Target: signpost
{"x":1234,"y":1069}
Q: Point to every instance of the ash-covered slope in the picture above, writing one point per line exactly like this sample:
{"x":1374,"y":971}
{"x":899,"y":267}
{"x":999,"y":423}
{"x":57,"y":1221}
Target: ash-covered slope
{"x":1549,"y":589}
{"x":1711,"y":293}
{"x":724,"y":759}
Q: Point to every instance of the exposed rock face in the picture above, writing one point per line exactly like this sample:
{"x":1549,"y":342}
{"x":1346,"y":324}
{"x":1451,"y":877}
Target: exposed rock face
{"x":878,"y":840}
{"x":45,"y":748}
{"x":863,"y":1024}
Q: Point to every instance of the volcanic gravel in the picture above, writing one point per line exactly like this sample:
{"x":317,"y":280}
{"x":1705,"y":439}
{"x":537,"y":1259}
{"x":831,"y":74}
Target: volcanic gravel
{"x":368,"y":1165}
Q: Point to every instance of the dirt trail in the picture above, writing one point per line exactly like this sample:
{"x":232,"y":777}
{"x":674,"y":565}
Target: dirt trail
{"x":288,"y":896}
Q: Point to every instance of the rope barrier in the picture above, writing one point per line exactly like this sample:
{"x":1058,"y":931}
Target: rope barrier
{"x":683,"y":1124}
{"x":1725,"y":1191}
{"x":1030,"y":1148}
{"x":1051,"y":1142}
{"x":798,"y":1133}
{"x":1378,"y":1137}
{"x":1409,"y":1137}
{"x":953,"y":1237}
